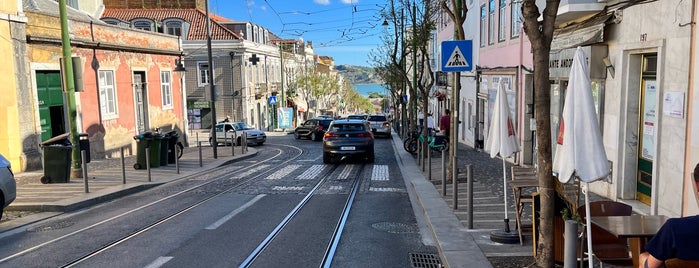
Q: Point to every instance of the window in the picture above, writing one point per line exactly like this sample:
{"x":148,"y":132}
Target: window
{"x":483,"y":25}
{"x":491,"y":23}
{"x":203,"y":71}
{"x":515,"y":23}
{"x":502,"y":22}
{"x":173,"y":28}
{"x":166,"y":89}
{"x":108,"y":98}
{"x":73,"y":4}
{"x":143,"y":24}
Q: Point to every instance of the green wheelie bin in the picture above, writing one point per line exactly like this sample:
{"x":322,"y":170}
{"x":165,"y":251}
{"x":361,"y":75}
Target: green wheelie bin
{"x":143,"y":143}
{"x":57,"y":159}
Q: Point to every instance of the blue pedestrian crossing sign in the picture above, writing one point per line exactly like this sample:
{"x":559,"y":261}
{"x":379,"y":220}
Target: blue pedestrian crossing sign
{"x":272,"y":100}
{"x":457,"y":56}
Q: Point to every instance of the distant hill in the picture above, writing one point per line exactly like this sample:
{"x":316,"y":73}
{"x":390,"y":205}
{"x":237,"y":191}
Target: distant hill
{"x":358,"y":74}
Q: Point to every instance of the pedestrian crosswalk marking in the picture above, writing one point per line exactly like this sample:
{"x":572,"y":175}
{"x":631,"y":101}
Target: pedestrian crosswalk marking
{"x":282,"y":173}
{"x":311,"y":173}
{"x":345,"y":172}
{"x":379,"y":173}
{"x":457,"y":59}
{"x":251,"y":171}
{"x":287,"y":188}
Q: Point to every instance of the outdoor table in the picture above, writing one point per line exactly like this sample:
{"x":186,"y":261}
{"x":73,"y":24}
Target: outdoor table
{"x":517,"y":186}
{"x":636,"y":228}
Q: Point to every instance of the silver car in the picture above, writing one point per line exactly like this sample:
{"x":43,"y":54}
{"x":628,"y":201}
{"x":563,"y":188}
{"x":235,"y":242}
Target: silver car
{"x":380,"y":125}
{"x":229,"y":131}
{"x":8,"y":186}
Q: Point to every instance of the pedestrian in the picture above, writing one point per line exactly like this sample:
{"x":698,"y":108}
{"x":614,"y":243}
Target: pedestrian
{"x":430,"y":124}
{"x":444,"y":122}
{"x":420,"y":119}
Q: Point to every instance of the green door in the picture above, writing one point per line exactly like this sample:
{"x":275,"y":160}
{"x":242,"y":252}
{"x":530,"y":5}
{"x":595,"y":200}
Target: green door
{"x":647,"y":129}
{"x":50,"y":95}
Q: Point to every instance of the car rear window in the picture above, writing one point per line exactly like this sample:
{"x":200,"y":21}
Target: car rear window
{"x":356,"y":117}
{"x":347,"y":127}
{"x":377,"y":118}
{"x":324,"y":123}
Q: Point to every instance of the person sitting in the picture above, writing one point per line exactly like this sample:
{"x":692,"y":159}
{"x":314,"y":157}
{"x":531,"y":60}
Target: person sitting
{"x":677,"y":238}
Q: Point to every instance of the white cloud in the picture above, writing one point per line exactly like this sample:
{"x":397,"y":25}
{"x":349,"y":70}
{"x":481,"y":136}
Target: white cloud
{"x":264,"y":8}
{"x":249,"y":3}
{"x":349,"y":2}
{"x":322,"y":2}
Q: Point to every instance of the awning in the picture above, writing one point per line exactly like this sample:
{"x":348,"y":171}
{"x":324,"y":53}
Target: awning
{"x":300,"y":104}
{"x":588,"y":32}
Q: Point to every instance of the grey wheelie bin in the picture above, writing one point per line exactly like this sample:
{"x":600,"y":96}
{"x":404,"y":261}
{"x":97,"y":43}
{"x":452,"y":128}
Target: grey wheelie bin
{"x":57,"y":159}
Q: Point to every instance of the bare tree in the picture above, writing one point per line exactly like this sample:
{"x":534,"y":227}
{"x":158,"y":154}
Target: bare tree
{"x":540,"y":34}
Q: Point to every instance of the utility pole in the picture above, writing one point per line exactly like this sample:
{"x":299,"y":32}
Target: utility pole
{"x":69,"y":83}
{"x":414,"y":99}
{"x":212,"y":86}
{"x":281,"y":56}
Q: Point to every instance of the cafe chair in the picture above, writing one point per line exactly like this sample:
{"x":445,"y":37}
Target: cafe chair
{"x":606,"y":247}
{"x":522,"y":199}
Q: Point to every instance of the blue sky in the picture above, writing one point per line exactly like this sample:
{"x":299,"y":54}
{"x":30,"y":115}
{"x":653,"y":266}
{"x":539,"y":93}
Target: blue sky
{"x":346,"y":30}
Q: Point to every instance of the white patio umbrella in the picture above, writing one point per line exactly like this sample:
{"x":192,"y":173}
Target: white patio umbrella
{"x":502,"y":141}
{"x":580,"y":151}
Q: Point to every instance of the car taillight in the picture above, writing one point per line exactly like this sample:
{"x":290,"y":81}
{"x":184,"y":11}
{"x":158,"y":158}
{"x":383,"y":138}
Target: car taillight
{"x":365,"y":134}
{"x":330,"y":135}
{"x":385,"y":124}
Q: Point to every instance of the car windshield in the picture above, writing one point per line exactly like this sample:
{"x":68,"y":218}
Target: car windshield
{"x":242,"y":126}
{"x":377,"y":118}
{"x":356,"y":117}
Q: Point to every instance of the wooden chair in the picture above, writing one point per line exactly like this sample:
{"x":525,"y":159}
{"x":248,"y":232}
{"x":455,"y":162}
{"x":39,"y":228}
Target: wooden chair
{"x":607,"y":247}
{"x":520,"y":172}
{"x":679,"y":263}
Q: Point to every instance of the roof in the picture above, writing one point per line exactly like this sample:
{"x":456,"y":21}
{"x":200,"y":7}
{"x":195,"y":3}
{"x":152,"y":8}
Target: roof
{"x":50,"y":7}
{"x":196,"y":18}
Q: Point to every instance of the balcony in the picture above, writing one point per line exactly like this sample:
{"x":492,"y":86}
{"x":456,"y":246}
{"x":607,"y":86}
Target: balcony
{"x":571,"y":10}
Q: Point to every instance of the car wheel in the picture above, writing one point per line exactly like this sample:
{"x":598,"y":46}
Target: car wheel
{"x":2,"y":205}
{"x":296,"y":135}
{"x":313,"y":136}
{"x":326,"y":158}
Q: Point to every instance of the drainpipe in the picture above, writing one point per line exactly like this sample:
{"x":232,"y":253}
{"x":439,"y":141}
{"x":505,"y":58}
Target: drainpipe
{"x":76,"y":171}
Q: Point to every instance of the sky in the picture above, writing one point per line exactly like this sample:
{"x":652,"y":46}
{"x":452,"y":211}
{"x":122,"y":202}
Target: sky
{"x":346,"y":30}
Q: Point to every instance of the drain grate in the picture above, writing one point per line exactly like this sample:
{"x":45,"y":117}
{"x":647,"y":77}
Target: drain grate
{"x":425,"y":260}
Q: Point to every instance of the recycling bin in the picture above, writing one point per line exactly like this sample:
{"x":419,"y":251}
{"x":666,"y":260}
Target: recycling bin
{"x":163,"y":149}
{"x":143,"y":143}
{"x":57,"y":159}
{"x":155,"y":150}
{"x":85,"y":145}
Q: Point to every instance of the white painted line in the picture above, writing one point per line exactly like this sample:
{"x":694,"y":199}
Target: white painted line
{"x":345,"y":172}
{"x":386,"y":189}
{"x":280,"y":174}
{"x":311,"y":173}
{"x":160,"y":261}
{"x":287,"y":188}
{"x":379,"y":173}
{"x":234,"y":212}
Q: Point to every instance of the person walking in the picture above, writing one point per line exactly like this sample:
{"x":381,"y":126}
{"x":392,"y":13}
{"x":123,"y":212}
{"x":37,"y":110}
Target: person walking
{"x":444,"y":122}
{"x":430,"y":124}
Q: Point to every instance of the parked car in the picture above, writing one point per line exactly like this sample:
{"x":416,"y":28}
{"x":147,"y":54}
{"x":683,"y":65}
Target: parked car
{"x":348,"y":137}
{"x":379,"y":124}
{"x":8,"y":186}
{"x":226,"y":132}
{"x":313,"y":129}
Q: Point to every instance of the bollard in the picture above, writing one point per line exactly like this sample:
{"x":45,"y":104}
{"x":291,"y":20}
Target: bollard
{"x":232,"y":147}
{"x":244,"y":143}
{"x":571,"y":247}
{"x":429,"y":164}
{"x":225,"y":137}
{"x":455,"y":190}
{"x":177,"y":159}
{"x":123,"y":167}
{"x":148,"y":162}
{"x":83,"y":156}
{"x":201,"y":164}
{"x":469,"y":188}
{"x":444,"y":174}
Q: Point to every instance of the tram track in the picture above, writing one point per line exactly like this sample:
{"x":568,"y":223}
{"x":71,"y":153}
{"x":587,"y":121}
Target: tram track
{"x":224,"y":173}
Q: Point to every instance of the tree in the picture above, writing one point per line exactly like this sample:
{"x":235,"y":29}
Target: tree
{"x":540,"y":34}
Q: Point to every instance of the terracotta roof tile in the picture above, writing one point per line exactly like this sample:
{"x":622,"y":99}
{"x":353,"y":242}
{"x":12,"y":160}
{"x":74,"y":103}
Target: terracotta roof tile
{"x":195,"y":17}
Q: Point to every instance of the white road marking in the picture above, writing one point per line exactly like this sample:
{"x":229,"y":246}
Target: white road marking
{"x":160,"y":261}
{"x":345,"y":172}
{"x":386,"y":189}
{"x":223,"y":220}
{"x":287,"y":188}
{"x":311,"y":173}
{"x":379,"y":173}
{"x":280,"y":174}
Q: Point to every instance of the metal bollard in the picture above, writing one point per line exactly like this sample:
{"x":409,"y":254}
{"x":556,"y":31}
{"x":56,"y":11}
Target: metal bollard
{"x":177,"y":159}
{"x":469,"y":185}
{"x":232,"y":147}
{"x":429,"y":165}
{"x":201,"y":164}
{"x":444,"y":173}
{"x":123,"y":167}
{"x":83,"y":156}
{"x":148,"y":162}
{"x":571,"y":247}
{"x":455,"y":189}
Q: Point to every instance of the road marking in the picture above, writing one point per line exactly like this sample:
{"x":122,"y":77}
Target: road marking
{"x":160,"y":261}
{"x":223,"y":220}
{"x":345,"y":172}
{"x":311,"y":173}
{"x":379,"y":173}
{"x":280,"y":174}
{"x":287,"y":188}
{"x":386,"y":189}
{"x":249,"y":172}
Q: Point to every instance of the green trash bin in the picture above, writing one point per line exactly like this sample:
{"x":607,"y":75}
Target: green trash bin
{"x":143,"y":142}
{"x":57,"y":159}
{"x":155,"y":150}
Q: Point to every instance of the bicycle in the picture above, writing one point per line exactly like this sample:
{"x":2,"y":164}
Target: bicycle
{"x":437,"y":143}
{"x":410,"y":143}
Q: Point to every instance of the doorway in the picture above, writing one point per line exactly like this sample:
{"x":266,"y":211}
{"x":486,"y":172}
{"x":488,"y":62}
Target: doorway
{"x":51,"y":110}
{"x":647,"y":128}
{"x":140,"y":100}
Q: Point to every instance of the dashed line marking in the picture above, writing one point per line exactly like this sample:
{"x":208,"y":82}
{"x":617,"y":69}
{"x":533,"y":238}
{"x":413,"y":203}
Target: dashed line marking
{"x":311,"y":173}
{"x":250,"y":172}
{"x":226,"y":218}
{"x":160,"y":261}
{"x":280,"y":174}
{"x":287,"y":188}
{"x":345,"y":172}
{"x":336,"y":188}
{"x":386,"y":189}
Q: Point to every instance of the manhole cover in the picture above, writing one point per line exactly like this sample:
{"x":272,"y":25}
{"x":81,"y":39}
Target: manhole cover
{"x":395,"y":227}
{"x":425,"y":260}
{"x":52,"y":226}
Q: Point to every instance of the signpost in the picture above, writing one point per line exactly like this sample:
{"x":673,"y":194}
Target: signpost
{"x":457,"y":56}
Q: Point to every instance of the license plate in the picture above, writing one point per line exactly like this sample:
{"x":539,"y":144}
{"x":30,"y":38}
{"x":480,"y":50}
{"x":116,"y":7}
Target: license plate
{"x":347,"y":148}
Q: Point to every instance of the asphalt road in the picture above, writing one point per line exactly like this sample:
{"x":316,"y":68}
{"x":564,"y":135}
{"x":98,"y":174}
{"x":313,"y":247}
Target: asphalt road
{"x":280,"y":208}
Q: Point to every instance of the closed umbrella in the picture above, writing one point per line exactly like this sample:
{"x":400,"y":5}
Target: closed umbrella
{"x":579,"y":151}
{"x":502,"y":141}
